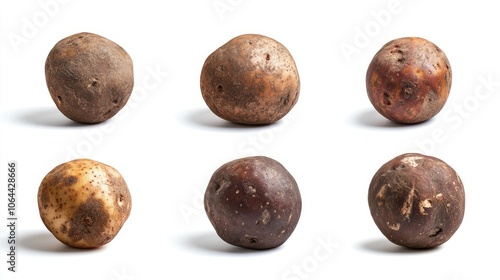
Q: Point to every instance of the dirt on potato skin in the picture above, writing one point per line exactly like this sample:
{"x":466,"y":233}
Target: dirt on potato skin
{"x":417,"y":201}
{"x":253,"y":203}
{"x":252,"y":79}
{"x":90,"y":78}
{"x":409,"y":80}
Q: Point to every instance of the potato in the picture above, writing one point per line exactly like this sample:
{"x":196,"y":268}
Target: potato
{"x":253,"y":202}
{"x":417,"y":201}
{"x":252,"y":80}
{"x":89,"y":77}
{"x":84,"y":203}
{"x":409,"y":80}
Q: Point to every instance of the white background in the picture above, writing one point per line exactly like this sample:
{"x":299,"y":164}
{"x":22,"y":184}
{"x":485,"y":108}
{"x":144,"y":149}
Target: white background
{"x":166,"y":143}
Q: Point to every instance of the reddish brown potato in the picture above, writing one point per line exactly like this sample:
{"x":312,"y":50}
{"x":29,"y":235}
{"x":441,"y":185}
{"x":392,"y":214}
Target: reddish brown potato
{"x":84,"y":203}
{"x":89,"y":77}
{"x":417,"y":201}
{"x":253,"y":202}
{"x":252,"y":79}
{"x":409,"y":80}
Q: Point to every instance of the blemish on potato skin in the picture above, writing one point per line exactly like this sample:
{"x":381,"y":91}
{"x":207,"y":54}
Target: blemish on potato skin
{"x":70,"y":180}
{"x":89,"y":222}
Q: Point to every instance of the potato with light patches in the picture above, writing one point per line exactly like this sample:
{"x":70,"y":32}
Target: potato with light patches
{"x":417,"y":201}
{"x":253,"y":202}
{"x":409,"y":80}
{"x":84,"y":203}
{"x":252,"y":79}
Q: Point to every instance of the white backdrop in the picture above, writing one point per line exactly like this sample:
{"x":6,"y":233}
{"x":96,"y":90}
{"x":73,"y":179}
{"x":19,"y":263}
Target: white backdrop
{"x":166,"y":142}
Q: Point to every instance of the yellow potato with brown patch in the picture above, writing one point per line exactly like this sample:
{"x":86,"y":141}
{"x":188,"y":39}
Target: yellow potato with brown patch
{"x":84,"y":203}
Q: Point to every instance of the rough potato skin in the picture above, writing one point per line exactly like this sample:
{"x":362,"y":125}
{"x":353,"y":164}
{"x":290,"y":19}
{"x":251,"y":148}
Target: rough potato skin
{"x":253,"y":202}
{"x":409,"y":80}
{"x":252,"y":80}
{"x":84,"y":203}
{"x":417,"y":201}
{"x":89,"y":77}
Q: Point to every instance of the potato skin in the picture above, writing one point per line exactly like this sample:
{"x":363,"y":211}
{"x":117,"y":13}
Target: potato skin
{"x":252,"y":80}
{"x":253,"y":202}
{"x":417,"y":201}
{"x":90,"y":78}
{"x":84,"y":203}
{"x":409,"y":80}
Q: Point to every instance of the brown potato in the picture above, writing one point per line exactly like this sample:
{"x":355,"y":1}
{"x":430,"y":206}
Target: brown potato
{"x":253,"y":202}
{"x":89,"y":77}
{"x":417,"y":201}
{"x":409,"y":80}
{"x":84,"y":203}
{"x":252,"y":79}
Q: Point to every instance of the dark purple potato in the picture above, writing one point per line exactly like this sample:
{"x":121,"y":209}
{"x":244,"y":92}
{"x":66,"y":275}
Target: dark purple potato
{"x":409,"y":80}
{"x":417,"y":201}
{"x":253,"y":202}
{"x":89,"y":77}
{"x":252,"y":80}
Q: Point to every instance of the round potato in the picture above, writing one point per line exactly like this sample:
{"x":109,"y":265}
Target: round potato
{"x":84,"y":203}
{"x":409,"y":80}
{"x":417,"y":201}
{"x":253,"y":202}
{"x":90,"y":78}
{"x":252,"y":80}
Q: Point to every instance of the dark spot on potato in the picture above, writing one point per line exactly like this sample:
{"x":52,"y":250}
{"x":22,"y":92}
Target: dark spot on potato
{"x":387,"y":99}
{"x":69,"y":181}
{"x":64,"y":229}
{"x":89,"y":223}
{"x":436,"y":232}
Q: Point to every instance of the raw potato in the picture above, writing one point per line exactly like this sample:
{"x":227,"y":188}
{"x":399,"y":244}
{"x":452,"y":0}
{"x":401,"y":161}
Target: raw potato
{"x":417,"y":201}
{"x":89,"y":77}
{"x":252,"y":80}
{"x":409,"y":80}
{"x":253,"y":202}
{"x":84,"y":203}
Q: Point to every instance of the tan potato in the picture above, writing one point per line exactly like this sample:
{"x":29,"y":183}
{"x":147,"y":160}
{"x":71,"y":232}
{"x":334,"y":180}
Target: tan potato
{"x":90,"y":78}
{"x":252,"y":79}
{"x":84,"y":203}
